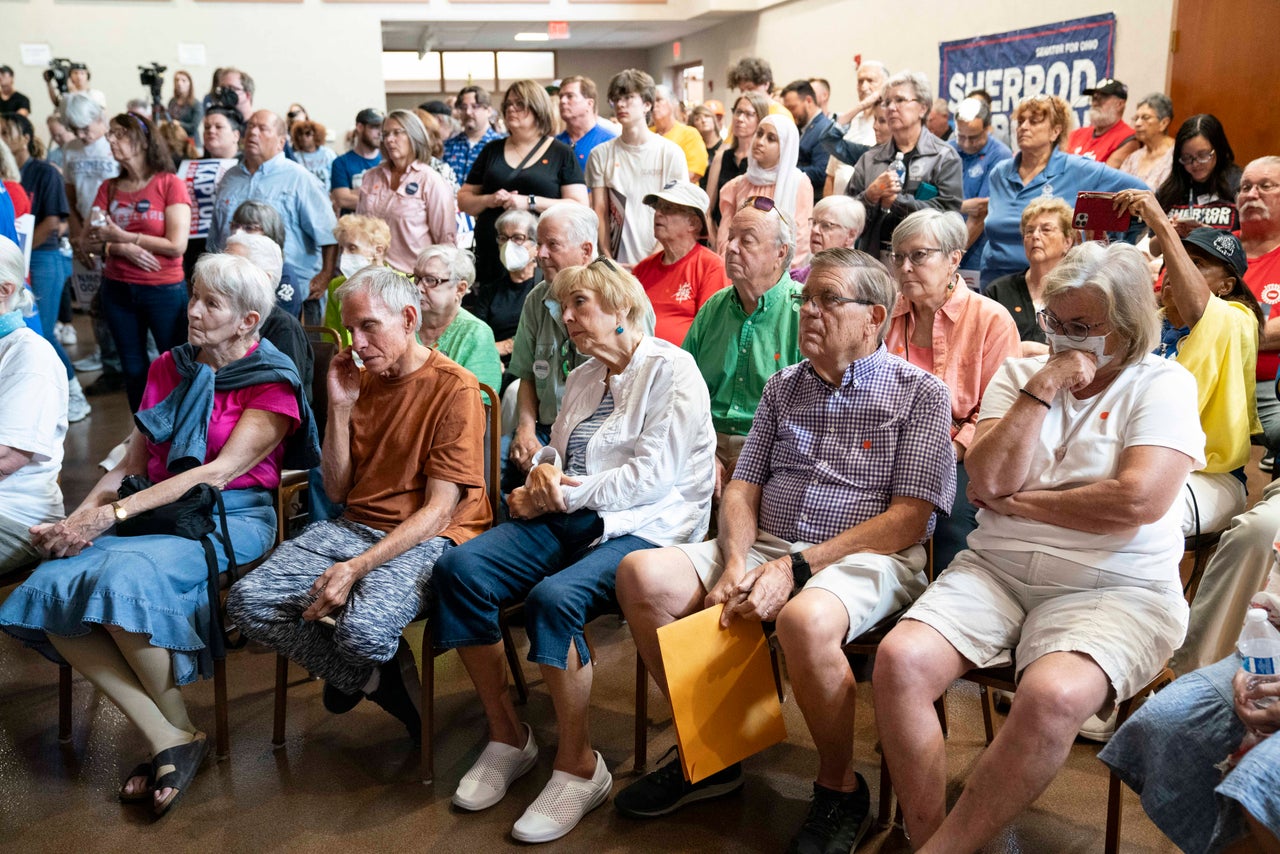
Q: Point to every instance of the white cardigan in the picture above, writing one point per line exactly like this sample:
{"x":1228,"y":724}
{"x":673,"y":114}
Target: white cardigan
{"x":652,"y":462}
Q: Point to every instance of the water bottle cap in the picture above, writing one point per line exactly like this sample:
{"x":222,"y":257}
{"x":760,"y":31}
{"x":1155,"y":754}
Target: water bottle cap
{"x":1256,"y":615}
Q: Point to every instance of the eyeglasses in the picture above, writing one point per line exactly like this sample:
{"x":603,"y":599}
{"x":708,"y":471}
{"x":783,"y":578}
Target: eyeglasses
{"x":1045,"y":228}
{"x":826,"y":301}
{"x":915,"y":256}
{"x":824,"y":226}
{"x":1261,"y":187}
{"x":248,"y":228}
{"x":117,"y":133}
{"x":607,"y":263}
{"x":763,"y":204}
{"x":898,"y":102}
{"x":517,"y":239}
{"x":1197,"y":159}
{"x":1072,"y":329}
{"x":429,"y":282}
{"x":744,"y":114}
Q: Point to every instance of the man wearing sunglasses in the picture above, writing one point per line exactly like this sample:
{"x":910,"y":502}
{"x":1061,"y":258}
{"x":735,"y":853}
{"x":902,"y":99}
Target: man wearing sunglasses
{"x":848,"y":460}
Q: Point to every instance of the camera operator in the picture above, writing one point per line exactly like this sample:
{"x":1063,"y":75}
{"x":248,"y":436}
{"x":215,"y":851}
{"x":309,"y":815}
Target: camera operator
{"x":235,"y":81}
{"x":76,"y":77}
{"x":11,"y":100}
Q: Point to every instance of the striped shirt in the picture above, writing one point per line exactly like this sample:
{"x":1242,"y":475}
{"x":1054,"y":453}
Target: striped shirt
{"x":576,"y":448}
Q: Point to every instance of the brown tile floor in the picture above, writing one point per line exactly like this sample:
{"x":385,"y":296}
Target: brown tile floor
{"x":350,"y":783}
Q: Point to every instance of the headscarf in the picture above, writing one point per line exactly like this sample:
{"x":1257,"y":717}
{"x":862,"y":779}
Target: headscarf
{"x":785,"y":176}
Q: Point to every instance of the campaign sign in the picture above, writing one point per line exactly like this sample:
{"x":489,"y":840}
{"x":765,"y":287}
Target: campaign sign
{"x":201,"y":178}
{"x":1060,"y":59}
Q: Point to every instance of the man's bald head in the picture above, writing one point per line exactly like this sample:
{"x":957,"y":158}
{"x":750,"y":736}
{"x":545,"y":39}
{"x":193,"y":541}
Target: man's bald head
{"x":263,"y":138}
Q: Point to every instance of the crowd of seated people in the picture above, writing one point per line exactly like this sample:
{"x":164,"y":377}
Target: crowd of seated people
{"x":716,"y":393}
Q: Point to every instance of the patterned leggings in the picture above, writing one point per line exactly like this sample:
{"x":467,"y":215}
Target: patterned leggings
{"x":267,"y":604}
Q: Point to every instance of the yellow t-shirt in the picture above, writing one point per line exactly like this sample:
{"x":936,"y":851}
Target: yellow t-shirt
{"x":695,"y":150}
{"x":1221,"y":352}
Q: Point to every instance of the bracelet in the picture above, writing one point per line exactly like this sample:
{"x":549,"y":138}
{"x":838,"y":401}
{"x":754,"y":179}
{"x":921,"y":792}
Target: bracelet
{"x":137,"y":241}
{"x":1039,"y":400}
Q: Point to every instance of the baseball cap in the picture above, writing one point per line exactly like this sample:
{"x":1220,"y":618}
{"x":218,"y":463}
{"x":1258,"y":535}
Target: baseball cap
{"x":437,"y":108}
{"x":686,"y":195}
{"x":1107,"y":86}
{"x":370,"y":116}
{"x":715,"y":107}
{"x":1222,"y":246}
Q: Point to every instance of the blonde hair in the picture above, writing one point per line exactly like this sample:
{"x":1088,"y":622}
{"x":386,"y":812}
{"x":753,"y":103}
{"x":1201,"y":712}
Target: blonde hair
{"x":1056,"y":109}
{"x":362,"y":229}
{"x":617,"y":289}
{"x":1050,"y":206}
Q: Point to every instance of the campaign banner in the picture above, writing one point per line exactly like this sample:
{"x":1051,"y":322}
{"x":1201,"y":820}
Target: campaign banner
{"x":201,"y":178}
{"x":1060,"y":59}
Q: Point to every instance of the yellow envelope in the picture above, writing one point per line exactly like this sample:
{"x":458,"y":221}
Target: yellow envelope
{"x":723,"y":696}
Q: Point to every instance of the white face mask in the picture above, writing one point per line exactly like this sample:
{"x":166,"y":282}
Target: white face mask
{"x":350,"y":264}
{"x":1094,"y":344}
{"x":514,"y":256}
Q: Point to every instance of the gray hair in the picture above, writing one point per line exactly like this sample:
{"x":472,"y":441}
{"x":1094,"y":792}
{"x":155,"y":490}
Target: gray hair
{"x":264,"y":252}
{"x":394,"y":290}
{"x":461,"y":264}
{"x":8,"y":165}
{"x":947,"y":228}
{"x":918,"y":83}
{"x":579,"y":221}
{"x":662,"y":90}
{"x":787,"y":238}
{"x":871,"y":281}
{"x":1120,"y":276}
{"x":515,"y":216}
{"x":13,"y":271}
{"x":1160,"y":104}
{"x":262,"y":215}
{"x":79,"y":111}
{"x":877,"y":64}
{"x":417,"y":133}
{"x":243,"y":283}
{"x":1272,"y":160}
{"x":846,"y":210}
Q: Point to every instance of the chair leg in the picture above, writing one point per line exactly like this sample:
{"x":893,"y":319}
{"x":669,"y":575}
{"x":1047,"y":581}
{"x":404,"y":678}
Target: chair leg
{"x":281,"y":699}
{"x":428,"y":711}
{"x":222,"y":734}
{"x":884,"y":818}
{"x":513,"y":661}
{"x":1114,"y":807}
{"x":642,"y":715}
{"x":64,"y":703}
{"x":1200,"y":561}
{"x":988,"y":712}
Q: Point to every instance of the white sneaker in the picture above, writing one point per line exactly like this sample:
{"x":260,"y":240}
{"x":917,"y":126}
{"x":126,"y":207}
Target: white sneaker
{"x":1100,"y":729}
{"x":77,"y":407}
{"x":89,"y":364}
{"x":563,"y":803}
{"x":65,"y":333}
{"x":498,"y":767}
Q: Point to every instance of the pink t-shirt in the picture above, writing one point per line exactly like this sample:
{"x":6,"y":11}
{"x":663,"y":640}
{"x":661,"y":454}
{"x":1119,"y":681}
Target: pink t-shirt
{"x":142,"y":212}
{"x":227,"y":409}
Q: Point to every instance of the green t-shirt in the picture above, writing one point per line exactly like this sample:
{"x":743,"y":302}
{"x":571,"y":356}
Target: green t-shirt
{"x":469,"y":342}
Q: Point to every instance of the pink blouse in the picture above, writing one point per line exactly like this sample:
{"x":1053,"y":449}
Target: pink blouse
{"x":737,"y":191}
{"x":421,"y":211}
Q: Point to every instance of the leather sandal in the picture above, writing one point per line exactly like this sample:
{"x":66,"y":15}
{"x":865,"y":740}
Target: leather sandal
{"x":176,"y":767}
{"x":142,"y":769}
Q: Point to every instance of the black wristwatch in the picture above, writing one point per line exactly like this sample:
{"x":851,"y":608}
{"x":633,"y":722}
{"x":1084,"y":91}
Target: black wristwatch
{"x":533,"y":202}
{"x":800,"y":565}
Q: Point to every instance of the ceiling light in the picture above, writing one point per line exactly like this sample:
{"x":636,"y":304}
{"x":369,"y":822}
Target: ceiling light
{"x":532,"y":37}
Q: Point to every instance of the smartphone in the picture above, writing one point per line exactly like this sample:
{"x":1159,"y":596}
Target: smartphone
{"x":1095,"y":211}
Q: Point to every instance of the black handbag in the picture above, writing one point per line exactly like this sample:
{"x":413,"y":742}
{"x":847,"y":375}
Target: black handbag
{"x":189,"y":516}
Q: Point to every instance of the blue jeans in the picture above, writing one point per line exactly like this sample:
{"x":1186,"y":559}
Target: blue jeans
{"x":550,"y":563}
{"x":951,"y":532}
{"x":131,"y":311}
{"x":49,"y":272}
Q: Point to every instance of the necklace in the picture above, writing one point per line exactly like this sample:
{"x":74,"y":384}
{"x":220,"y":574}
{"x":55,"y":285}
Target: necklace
{"x":1061,"y":450}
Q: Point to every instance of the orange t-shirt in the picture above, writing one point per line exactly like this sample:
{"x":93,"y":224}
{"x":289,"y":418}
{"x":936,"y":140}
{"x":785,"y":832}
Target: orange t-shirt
{"x":405,"y":431}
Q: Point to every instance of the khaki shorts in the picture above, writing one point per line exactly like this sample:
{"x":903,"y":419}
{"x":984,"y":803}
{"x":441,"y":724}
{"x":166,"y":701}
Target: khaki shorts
{"x":728,"y":449}
{"x":991,"y":604}
{"x":870,"y":586}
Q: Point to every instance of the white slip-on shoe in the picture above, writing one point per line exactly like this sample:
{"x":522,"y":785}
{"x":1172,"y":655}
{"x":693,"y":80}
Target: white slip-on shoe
{"x":1100,"y":729}
{"x":563,"y":803}
{"x":498,"y":767}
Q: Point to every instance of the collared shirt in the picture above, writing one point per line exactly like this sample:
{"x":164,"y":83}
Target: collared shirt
{"x":582,"y":148}
{"x":972,"y":336}
{"x":975,"y":179}
{"x":828,"y":459}
{"x":421,"y":211}
{"x":461,"y":154}
{"x":932,"y":181}
{"x":738,"y":352}
{"x":295,"y":194}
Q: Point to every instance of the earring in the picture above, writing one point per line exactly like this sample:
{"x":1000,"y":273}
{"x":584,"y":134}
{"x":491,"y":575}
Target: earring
{"x":619,"y":330}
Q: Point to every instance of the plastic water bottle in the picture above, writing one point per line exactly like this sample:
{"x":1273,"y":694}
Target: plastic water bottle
{"x":97,"y":217}
{"x":1259,"y":648}
{"x":899,"y":169}
{"x":64,"y":246}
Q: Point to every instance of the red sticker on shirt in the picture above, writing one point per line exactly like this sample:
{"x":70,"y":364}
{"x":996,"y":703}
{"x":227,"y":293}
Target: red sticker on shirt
{"x":866,"y":444}
{"x":1104,"y":415}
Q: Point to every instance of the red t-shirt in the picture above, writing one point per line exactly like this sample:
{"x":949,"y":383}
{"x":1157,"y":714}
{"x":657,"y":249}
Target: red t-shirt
{"x":678,"y":290}
{"x":1099,"y":148}
{"x":21,"y":201}
{"x":142,"y":212}
{"x":228,"y":406}
{"x":1263,"y":279}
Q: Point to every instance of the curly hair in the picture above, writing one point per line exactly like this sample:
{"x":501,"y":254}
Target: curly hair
{"x":299,"y":129}
{"x":1057,"y":110}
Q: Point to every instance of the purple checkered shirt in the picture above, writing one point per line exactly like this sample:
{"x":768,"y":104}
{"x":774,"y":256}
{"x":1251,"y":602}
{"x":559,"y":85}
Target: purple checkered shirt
{"x":832,"y":458}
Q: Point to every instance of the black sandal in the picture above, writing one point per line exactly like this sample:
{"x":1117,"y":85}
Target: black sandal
{"x":182,"y":763}
{"x":142,"y":769}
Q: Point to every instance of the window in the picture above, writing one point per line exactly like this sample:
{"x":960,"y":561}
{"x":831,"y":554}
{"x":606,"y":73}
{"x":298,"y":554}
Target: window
{"x":448,"y":71}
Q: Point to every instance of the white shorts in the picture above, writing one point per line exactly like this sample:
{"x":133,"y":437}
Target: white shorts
{"x":870,"y":586}
{"x":992,"y":604}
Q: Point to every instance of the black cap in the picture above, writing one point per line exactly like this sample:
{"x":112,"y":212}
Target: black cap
{"x":437,"y":108}
{"x":1107,"y":86}
{"x":1221,"y":246}
{"x":370,"y":116}
{"x":79,"y":66}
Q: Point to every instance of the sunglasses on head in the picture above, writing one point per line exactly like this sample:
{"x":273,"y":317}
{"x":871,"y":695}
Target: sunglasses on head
{"x":763,"y":204}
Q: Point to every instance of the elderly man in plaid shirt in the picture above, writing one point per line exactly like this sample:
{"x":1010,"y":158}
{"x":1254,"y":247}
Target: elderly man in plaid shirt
{"x":821,"y":528}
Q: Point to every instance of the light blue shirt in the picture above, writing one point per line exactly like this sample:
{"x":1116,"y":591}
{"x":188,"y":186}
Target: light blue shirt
{"x":975,"y":178}
{"x":296,"y":196}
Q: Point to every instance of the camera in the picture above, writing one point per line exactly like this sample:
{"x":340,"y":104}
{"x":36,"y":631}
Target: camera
{"x":59,"y":72}
{"x":224,"y":97}
{"x":152,"y":76}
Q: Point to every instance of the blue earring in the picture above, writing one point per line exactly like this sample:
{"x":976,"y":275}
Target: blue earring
{"x":619,"y":330}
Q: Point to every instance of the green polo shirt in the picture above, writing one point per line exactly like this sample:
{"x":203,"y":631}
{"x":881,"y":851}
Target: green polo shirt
{"x":469,"y":342}
{"x":737,"y":352}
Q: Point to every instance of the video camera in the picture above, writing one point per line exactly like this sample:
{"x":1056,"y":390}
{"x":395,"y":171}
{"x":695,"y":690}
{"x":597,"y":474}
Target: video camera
{"x":152,"y":76}
{"x":59,"y":71}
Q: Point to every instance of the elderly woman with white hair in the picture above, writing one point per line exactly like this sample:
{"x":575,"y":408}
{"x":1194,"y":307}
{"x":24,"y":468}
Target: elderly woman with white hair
{"x":406,"y":193}
{"x":932,"y":178}
{"x":499,"y":301}
{"x":1072,"y":574}
{"x":130,"y":607}
{"x":33,"y":419}
{"x":837,"y":222}
{"x":443,"y":275}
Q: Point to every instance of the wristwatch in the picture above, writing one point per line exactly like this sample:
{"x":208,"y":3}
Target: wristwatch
{"x":800,"y":566}
{"x":118,"y":509}
{"x":533,"y":202}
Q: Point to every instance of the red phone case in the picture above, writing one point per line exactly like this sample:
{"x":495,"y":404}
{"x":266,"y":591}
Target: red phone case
{"x":1094,"y":212}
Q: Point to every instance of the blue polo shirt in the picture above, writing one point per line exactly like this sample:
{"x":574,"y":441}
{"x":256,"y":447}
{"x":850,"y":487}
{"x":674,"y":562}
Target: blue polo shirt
{"x":974,"y":175}
{"x":592,"y":138}
{"x":296,"y":195}
{"x":1064,"y":177}
{"x":461,"y":154}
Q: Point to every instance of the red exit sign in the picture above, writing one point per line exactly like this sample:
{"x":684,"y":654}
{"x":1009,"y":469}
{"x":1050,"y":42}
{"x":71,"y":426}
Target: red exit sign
{"x":558,"y":29}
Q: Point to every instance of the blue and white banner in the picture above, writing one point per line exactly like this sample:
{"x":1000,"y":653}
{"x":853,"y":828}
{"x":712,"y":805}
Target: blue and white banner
{"x":1060,"y":59}
{"x":201,"y":178}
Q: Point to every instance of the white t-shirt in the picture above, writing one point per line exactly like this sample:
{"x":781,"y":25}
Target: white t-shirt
{"x":33,"y":417}
{"x":629,"y":173}
{"x":1150,"y":403}
{"x":85,"y":168}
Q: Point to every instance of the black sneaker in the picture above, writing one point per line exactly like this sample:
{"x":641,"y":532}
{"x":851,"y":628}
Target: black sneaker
{"x":399,"y":690}
{"x":666,"y":790}
{"x":339,"y":702}
{"x":836,"y":823}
